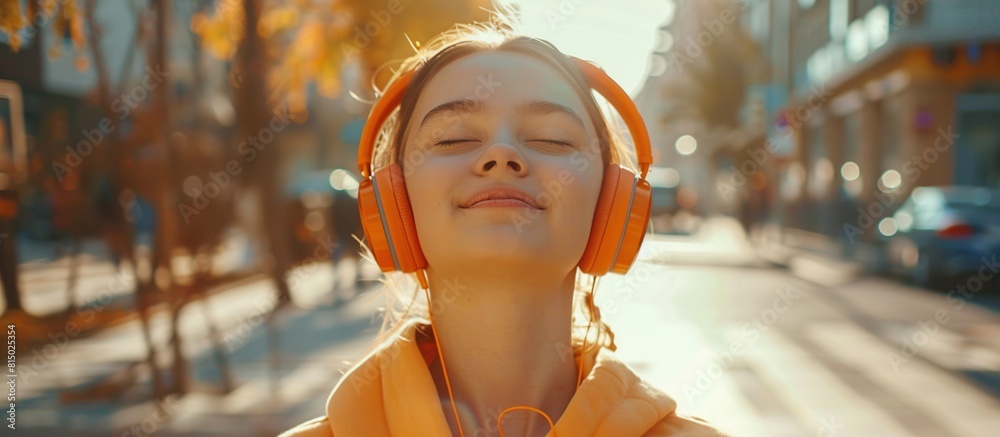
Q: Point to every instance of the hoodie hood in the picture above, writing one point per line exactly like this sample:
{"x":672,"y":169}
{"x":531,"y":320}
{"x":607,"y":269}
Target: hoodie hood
{"x":390,"y":392}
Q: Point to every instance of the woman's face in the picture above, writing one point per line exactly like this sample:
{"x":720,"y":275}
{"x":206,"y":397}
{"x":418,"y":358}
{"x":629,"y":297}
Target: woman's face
{"x":505,"y":121}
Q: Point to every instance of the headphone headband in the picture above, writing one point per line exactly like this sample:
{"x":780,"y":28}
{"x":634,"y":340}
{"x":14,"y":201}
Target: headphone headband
{"x":596,"y":79}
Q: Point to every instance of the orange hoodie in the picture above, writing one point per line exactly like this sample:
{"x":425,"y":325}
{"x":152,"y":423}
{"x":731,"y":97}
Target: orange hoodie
{"x":390,"y":392}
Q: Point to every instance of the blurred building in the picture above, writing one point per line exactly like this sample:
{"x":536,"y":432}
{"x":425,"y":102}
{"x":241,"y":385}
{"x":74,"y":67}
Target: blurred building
{"x":882,"y":96}
{"x":698,"y":103}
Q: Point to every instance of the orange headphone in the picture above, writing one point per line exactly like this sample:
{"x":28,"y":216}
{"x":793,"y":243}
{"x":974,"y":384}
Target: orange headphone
{"x":620,"y":218}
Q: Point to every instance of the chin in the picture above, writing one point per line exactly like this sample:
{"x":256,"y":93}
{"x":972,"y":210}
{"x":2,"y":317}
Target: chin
{"x":494,"y":242}
{"x":504,"y":240}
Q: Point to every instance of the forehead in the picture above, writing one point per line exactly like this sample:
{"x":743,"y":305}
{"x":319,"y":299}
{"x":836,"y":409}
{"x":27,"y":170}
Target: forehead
{"x":499,"y":79}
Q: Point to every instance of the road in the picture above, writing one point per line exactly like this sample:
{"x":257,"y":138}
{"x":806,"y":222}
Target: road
{"x":803,"y":352}
{"x":811,"y":349}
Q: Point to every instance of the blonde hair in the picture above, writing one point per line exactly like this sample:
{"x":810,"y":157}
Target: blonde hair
{"x":463,"y":40}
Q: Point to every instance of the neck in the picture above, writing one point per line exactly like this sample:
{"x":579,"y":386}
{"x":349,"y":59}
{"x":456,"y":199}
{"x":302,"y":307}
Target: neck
{"x":506,"y":341}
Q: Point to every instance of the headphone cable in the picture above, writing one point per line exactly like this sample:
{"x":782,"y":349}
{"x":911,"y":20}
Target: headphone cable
{"x":447,"y":381}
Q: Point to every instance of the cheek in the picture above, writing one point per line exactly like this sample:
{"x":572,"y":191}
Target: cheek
{"x":421,"y":192}
{"x":573,"y":212}
{"x":576,"y":190}
{"x":429,"y":187}
{"x":574,"y":195}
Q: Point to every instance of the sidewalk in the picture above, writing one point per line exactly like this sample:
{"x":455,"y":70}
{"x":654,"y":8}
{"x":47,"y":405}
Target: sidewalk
{"x":100,"y":384}
{"x":815,"y":256}
{"x":719,"y":240}
{"x":44,"y":275}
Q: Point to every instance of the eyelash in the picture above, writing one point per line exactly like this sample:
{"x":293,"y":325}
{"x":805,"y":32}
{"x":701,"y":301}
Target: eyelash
{"x":442,"y":141}
{"x":567,"y":142}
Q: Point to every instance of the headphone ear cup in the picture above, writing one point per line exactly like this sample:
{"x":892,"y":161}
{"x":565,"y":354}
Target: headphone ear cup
{"x":619,"y":225}
{"x":371,"y":222}
{"x":388,"y":222}
{"x":599,"y":225}
{"x":635,"y":226}
{"x":407,"y":242}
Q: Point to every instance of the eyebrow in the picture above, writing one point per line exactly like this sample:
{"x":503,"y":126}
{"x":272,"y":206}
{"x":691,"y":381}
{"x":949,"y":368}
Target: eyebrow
{"x":540,"y":107}
{"x":470,"y":106}
{"x":464,"y":106}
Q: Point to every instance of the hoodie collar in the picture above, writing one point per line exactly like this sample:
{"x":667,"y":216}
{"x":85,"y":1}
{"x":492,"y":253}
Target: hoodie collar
{"x":390,"y":392}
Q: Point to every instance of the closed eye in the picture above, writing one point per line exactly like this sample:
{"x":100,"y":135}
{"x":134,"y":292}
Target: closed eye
{"x":444,"y":142}
{"x":448,"y":142}
{"x":568,"y":143}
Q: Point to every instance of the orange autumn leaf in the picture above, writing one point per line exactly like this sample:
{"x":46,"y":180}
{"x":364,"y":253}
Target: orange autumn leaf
{"x":222,"y":31}
{"x":309,"y":42}
{"x":45,"y":7}
{"x":11,"y":22}
{"x":278,"y":20}
{"x":76,"y":30}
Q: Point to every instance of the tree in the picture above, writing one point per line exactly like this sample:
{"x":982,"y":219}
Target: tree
{"x":711,"y":63}
{"x":289,"y":46}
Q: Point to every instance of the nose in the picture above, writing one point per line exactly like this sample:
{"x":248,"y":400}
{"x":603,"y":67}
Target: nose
{"x":503,"y":157}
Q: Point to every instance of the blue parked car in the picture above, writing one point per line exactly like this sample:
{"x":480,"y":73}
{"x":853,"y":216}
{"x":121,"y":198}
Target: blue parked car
{"x":941,"y":236}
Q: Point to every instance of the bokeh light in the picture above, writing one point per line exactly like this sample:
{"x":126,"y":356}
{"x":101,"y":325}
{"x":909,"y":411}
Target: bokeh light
{"x":686,"y":145}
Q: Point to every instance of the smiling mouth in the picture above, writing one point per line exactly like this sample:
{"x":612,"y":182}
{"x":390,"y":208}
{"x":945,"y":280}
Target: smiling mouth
{"x":500,"y":203}
{"x":501,"y":197}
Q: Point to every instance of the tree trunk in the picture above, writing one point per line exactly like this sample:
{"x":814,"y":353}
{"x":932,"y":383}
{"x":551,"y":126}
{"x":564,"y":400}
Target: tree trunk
{"x":144,"y":287}
{"x":166,"y":231}
{"x":254,"y":117}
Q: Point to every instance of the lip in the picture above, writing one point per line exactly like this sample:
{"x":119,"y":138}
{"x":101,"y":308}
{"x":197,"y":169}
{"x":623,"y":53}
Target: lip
{"x":500,"y":196}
